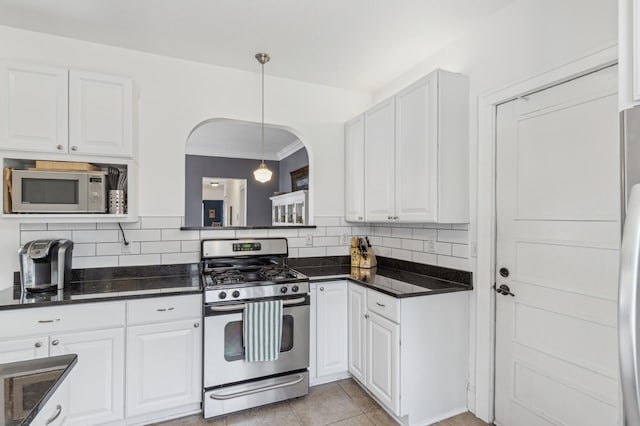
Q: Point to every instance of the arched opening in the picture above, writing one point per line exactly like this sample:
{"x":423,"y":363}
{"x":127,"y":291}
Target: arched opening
{"x":220,"y":188}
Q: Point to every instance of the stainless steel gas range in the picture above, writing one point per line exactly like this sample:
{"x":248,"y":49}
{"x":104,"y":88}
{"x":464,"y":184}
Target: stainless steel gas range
{"x":236,"y":272}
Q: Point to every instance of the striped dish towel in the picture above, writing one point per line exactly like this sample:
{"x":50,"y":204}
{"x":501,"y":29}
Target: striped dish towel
{"x":262,"y":330}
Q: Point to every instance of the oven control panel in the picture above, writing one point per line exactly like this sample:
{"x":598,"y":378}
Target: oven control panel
{"x":247,"y":246}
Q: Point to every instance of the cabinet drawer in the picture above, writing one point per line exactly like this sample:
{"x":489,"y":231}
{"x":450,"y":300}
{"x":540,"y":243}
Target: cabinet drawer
{"x":161,"y":309}
{"x":381,"y":304}
{"x":55,"y":319}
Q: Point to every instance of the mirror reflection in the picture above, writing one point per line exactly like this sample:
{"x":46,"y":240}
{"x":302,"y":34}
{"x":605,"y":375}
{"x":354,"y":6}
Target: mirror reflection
{"x":220,"y":186}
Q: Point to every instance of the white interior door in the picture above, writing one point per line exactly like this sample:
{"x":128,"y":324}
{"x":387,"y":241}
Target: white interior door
{"x":558,"y":235}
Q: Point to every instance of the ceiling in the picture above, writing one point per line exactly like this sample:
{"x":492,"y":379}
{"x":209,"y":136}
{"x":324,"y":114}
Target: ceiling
{"x":356,"y":44}
{"x":241,"y":139}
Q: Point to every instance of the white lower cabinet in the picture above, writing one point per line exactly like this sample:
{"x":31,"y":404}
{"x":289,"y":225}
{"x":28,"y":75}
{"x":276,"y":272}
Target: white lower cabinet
{"x":329,"y":304}
{"x":413,"y":356}
{"x":96,"y":383}
{"x":56,"y":409}
{"x":24,"y":349}
{"x":163,"y":366}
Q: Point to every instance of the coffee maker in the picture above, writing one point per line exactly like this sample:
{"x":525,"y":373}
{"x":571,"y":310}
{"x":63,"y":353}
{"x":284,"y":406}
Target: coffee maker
{"x":45,"y":265}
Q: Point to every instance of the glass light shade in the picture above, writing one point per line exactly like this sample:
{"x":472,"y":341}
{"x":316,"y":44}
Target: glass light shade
{"x":262,"y":174}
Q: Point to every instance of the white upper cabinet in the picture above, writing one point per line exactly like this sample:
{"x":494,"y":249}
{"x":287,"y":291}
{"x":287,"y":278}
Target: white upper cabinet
{"x":33,"y":111}
{"x":100,"y":114}
{"x":354,"y":170}
{"x":378,"y":164}
{"x":56,"y":110}
{"x":416,"y":161}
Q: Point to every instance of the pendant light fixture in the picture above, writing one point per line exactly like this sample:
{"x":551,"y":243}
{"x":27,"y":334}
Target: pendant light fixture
{"x":262,"y":173}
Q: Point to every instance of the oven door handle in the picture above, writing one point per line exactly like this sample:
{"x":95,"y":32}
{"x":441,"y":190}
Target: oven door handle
{"x":240,"y":307}
{"x":295,"y":381}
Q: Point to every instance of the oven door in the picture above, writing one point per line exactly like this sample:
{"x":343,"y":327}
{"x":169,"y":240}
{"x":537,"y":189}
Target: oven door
{"x":224,"y":352}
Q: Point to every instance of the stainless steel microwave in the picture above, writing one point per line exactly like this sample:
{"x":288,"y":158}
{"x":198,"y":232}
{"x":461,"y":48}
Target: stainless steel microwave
{"x":36,"y":191}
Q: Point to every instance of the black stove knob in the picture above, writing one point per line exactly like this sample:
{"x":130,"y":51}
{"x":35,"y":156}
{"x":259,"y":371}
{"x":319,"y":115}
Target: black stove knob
{"x":283,"y":289}
{"x":222,"y":295}
{"x":235,"y":293}
{"x":294,"y":288}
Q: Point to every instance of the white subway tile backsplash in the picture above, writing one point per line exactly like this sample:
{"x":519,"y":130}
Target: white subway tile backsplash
{"x":361,"y":230}
{"x":401,"y":254}
{"x":161,"y":222}
{"x":71,"y":226}
{"x":453,"y":236}
{"x":381,"y":231}
{"x":401,"y":232}
{"x":443,"y":248}
{"x":252,"y":233}
{"x":33,"y":226}
{"x":26,"y":236}
{"x":312,"y":251}
{"x":103,"y":236}
{"x":95,"y":262}
{"x":320,"y":231}
{"x":105,"y":249}
{"x":218,"y":233}
{"x":382,"y":251}
{"x":326,"y":241}
{"x":460,"y":250}
{"x":426,"y":258}
{"x":178,"y":235}
{"x":82,"y":250}
{"x":375,"y":241}
{"x":190,"y":246}
{"x":171,"y":258}
{"x":424,"y":234}
{"x":282,"y":233}
{"x":143,"y":235}
{"x":293,"y":252}
{"x":160,"y":247}
{"x":415,"y":245}
{"x":297,"y":242}
{"x":139,"y":259}
{"x":332,"y":231}
{"x":461,"y":226}
{"x":338,"y":251}
{"x":391,"y":242}
{"x":453,"y":262}
{"x":125,"y":225}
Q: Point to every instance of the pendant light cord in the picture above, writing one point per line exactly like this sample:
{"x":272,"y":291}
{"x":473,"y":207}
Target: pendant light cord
{"x":262,"y":127}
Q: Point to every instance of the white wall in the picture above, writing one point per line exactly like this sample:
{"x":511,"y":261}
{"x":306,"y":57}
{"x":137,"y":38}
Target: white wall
{"x":524,"y":39}
{"x":175,"y":95}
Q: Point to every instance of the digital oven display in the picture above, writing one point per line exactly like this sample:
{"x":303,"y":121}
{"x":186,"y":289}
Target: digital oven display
{"x":247,"y":246}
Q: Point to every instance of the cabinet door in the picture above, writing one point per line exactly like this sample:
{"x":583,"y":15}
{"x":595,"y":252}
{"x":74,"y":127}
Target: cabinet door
{"x":383,"y":361}
{"x":56,"y":409}
{"x":379,"y":163}
{"x":313,"y":312}
{"x":24,"y":349}
{"x":97,"y":381}
{"x":357,"y":331}
{"x":416,"y":160}
{"x":164,"y":366}
{"x":354,"y":170}
{"x":100,"y":114}
{"x":34,"y":108}
{"x":331,"y":318}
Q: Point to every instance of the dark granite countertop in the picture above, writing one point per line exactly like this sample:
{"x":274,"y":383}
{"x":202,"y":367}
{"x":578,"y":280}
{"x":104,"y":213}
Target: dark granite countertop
{"x":108,"y":284}
{"x":399,"y":279}
{"x":43,"y":376}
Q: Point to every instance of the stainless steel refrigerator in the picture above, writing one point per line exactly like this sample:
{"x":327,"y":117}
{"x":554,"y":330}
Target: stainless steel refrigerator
{"x":629,"y":278}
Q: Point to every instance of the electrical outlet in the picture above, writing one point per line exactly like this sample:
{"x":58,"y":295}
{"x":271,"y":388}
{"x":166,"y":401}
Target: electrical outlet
{"x":125,"y":248}
{"x":308,"y":239}
{"x":345,"y":239}
{"x":431,"y":246}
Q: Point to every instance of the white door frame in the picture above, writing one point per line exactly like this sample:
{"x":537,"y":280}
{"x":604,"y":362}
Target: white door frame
{"x":486,"y":219}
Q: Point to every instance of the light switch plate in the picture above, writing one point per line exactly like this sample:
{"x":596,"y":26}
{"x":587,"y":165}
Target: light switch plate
{"x":308,"y":239}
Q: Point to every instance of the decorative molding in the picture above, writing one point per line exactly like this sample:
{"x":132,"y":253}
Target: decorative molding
{"x":230,"y":153}
{"x":293,"y":147}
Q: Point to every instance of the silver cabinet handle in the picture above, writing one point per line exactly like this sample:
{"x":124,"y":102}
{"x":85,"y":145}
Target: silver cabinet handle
{"x":55,"y":416}
{"x":55,"y":342}
{"x":38,"y":344}
{"x":74,"y":148}
{"x":48,"y":321}
{"x":164,"y":309}
{"x":380,"y":304}
{"x":295,"y":381}
{"x":60,"y":147}
{"x":366,"y":316}
{"x":321,"y":288}
{"x":196,"y":325}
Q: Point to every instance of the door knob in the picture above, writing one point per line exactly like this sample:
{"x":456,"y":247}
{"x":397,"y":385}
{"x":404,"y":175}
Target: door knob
{"x":504,"y":272}
{"x":74,"y":148}
{"x":55,"y":342}
{"x":60,"y":147}
{"x":38,"y":344}
{"x":504,"y":290}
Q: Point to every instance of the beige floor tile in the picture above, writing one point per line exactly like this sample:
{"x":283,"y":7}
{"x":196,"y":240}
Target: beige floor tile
{"x":358,"y":395}
{"x":273,"y":414}
{"x":324,"y":405}
{"x":464,"y":419}
{"x":380,"y":417}
{"x":361,"y":420}
{"x":195,"y":420}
